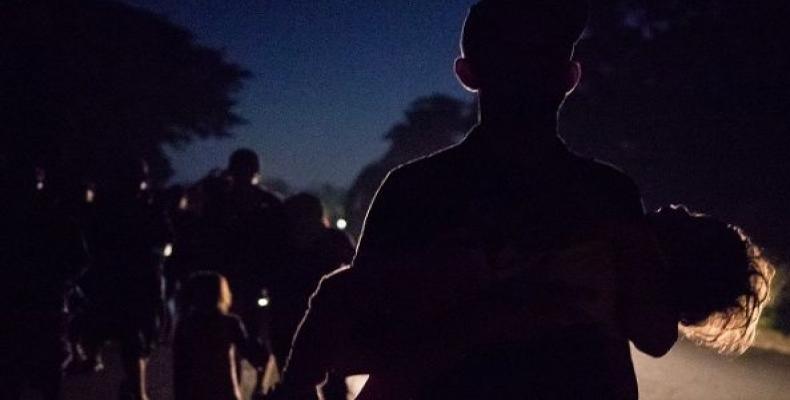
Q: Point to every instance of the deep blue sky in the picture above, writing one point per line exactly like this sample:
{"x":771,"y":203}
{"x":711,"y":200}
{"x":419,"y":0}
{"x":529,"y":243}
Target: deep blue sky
{"x":330,"y":77}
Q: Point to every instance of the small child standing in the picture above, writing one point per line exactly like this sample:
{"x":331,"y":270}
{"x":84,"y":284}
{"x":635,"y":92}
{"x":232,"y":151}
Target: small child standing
{"x":210,"y":342}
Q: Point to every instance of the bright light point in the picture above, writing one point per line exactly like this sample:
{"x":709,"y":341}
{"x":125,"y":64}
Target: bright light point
{"x":143,"y":185}
{"x":168,"y":250}
{"x":89,"y":196}
{"x":263,"y":302}
{"x":39,"y":185}
{"x":341,"y":224}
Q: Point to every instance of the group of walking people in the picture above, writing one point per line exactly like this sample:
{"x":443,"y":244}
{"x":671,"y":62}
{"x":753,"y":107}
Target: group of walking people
{"x":221,"y":271}
{"x":504,"y":267}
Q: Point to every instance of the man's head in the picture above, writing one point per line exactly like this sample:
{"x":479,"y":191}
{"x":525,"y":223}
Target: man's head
{"x":522,"y":50}
{"x":244,"y":166}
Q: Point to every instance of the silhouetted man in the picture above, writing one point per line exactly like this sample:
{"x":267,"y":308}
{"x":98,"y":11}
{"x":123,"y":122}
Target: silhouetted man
{"x":245,"y":175}
{"x":472,"y":229}
{"x":239,"y":233}
{"x":312,"y":249}
{"x":253,"y":218}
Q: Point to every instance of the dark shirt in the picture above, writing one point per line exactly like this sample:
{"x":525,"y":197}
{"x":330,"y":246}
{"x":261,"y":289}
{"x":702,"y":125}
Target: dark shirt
{"x":244,"y":240}
{"x":126,"y":239}
{"x":435,"y":237}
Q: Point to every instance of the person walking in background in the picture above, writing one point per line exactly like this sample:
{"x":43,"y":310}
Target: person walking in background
{"x":312,"y":249}
{"x":128,"y":238}
{"x":210,"y":342}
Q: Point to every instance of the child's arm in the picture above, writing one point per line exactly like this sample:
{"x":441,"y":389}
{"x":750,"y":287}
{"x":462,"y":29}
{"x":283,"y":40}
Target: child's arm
{"x":248,"y":347}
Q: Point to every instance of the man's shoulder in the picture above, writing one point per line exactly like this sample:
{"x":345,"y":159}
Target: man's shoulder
{"x":427,"y":170}
{"x":266,"y":196}
{"x":604,"y":174}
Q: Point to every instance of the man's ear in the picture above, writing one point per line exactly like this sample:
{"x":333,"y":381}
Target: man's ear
{"x":466,"y":74}
{"x":574,"y":77}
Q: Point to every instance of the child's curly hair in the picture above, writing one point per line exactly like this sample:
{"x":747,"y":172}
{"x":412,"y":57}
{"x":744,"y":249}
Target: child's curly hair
{"x":720,"y":279}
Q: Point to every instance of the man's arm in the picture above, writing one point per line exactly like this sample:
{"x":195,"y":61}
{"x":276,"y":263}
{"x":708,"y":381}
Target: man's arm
{"x":645,"y":312}
{"x":339,"y":306}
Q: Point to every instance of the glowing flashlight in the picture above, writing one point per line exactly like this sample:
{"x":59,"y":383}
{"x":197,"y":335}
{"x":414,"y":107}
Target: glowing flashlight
{"x":263,"y":301}
{"x":90,"y":195}
{"x":168,"y":250}
{"x":341,"y":224}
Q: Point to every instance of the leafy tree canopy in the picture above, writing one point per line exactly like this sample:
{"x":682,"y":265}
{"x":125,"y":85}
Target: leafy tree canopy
{"x":85,"y":82}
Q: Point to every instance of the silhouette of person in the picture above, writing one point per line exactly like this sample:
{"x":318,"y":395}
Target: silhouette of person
{"x":312,"y":250}
{"x":128,"y":237}
{"x":42,"y":253}
{"x":255,"y":218}
{"x":477,"y":218}
{"x":238,"y":232}
{"x":244,"y":171}
{"x":210,"y":341}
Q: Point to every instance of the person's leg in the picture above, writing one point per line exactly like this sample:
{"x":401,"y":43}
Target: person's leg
{"x":138,"y":339}
{"x":92,"y":330}
{"x":334,"y":388}
{"x":134,"y":365}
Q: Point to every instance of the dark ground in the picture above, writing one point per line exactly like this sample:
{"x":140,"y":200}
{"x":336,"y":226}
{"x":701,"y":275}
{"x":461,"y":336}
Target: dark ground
{"x":686,"y":373}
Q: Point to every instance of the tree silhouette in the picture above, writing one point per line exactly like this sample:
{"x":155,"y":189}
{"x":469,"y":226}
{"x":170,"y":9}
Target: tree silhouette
{"x":430,"y":124}
{"x":86,"y":82}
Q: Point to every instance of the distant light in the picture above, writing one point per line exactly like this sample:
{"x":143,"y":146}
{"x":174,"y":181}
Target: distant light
{"x":168,"y":250}
{"x":89,"y":195}
{"x":39,"y":185}
{"x":183,"y":203}
{"x":341,"y":224}
{"x":263,"y":302}
{"x":143,"y":185}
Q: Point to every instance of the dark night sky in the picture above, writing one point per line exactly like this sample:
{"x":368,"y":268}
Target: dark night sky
{"x":329,"y":77}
